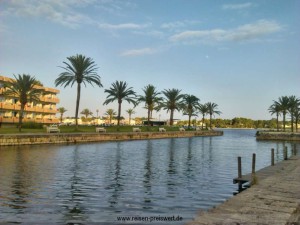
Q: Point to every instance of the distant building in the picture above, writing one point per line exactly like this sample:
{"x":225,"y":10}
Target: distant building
{"x":43,"y":111}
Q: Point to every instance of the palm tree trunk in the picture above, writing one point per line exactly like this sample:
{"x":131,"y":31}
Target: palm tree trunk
{"x":277,"y":122}
{"x":61,"y":117}
{"x":210,"y":115}
{"x":284,"y":122}
{"x":171,"y":117}
{"x":202,"y":120}
{"x":292,"y":122}
{"x":189,"y":121}
{"x":119,"y":114}
{"x":21,"y":117}
{"x":149,"y":113}
{"x":77,"y":104}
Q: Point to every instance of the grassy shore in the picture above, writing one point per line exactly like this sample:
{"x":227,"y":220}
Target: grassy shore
{"x":84,"y":129}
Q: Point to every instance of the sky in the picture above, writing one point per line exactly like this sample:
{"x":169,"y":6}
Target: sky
{"x":241,"y":55}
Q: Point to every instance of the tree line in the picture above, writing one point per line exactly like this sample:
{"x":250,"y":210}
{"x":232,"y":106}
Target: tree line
{"x":82,"y":70}
{"x":286,"y":106}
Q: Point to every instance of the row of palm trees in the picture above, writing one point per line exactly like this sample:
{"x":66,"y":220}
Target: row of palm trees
{"x":286,"y":105}
{"x":81,"y":69}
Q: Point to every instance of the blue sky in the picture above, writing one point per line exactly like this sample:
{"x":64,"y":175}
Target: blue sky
{"x":241,"y":55}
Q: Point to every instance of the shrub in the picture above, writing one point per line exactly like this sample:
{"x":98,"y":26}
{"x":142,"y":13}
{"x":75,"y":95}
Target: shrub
{"x":32,"y":125}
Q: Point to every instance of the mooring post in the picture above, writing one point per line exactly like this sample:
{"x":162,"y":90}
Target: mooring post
{"x":240,"y":172}
{"x":239,"y":167}
{"x":253,"y":162}
{"x":285,"y":152}
{"x":272,"y":157}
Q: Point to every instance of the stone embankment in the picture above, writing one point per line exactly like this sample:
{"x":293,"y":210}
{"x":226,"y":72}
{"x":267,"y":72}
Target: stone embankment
{"x":279,"y":136}
{"x":273,"y":200}
{"x":30,"y":139}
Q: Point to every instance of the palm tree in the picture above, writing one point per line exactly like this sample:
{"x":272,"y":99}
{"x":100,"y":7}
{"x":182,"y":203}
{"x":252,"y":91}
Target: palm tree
{"x":97,"y":111}
{"x":79,"y":69}
{"x":172,"y":102}
{"x":119,"y":92}
{"x":293,"y":106}
{"x":275,"y":109}
{"x":23,"y":89}
{"x":212,"y":109}
{"x":86,"y":113}
{"x":191,"y":103}
{"x":203,"y":110}
{"x":150,"y":98}
{"x":297,"y":117}
{"x":110,"y":113}
{"x":130,"y":112}
{"x":283,"y":103}
{"x":61,"y":110}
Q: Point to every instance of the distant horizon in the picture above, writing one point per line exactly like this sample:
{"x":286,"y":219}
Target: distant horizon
{"x":240,"y":55}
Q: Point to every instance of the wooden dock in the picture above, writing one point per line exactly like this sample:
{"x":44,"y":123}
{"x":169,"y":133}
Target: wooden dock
{"x":273,"y":199}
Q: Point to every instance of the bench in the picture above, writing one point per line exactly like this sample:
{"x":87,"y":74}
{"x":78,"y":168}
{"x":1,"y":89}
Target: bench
{"x":181,"y":129}
{"x":161,"y":129}
{"x":100,"y":129}
{"x":136,"y":129}
{"x":53,"y":129}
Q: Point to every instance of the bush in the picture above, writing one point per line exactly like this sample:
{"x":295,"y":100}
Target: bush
{"x":32,"y":125}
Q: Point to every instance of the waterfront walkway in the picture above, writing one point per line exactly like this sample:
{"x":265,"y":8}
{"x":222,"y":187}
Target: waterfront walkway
{"x":273,"y":200}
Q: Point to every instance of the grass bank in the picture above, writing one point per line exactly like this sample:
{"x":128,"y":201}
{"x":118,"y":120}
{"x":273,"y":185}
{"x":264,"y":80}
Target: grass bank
{"x":85,"y":129}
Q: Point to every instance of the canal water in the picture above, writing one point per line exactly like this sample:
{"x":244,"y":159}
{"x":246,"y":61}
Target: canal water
{"x":135,"y":180}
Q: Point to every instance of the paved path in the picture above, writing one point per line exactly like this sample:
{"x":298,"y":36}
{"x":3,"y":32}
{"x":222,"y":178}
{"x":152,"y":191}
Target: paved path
{"x":273,"y":200}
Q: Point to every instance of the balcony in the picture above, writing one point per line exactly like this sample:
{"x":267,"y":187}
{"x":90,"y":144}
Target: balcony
{"x":49,"y":99}
{"x":7,"y":106}
{"x":52,"y":111}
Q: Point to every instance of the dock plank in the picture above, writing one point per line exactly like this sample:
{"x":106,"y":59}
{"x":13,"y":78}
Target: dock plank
{"x":275,"y":199}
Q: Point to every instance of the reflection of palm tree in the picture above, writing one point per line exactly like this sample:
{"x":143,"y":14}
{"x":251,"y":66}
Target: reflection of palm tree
{"x":148,"y":168}
{"x":116,"y":185}
{"x":76,"y":210}
{"x":171,"y":166}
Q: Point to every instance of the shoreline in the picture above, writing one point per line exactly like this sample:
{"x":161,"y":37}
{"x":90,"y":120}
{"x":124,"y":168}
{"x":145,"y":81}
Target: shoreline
{"x":74,"y":138}
{"x":272,"y":200}
{"x":277,"y":136}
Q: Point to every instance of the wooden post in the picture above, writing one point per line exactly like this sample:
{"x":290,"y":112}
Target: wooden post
{"x":285,"y":152}
{"x":240,"y":173}
{"x":239,"y":167}
{"x":253,"y":162}
{"x":272,"y":157}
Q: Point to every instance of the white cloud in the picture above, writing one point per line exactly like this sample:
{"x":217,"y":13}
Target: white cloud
{"x":57,"y":11}
{"x":238,"y":6}
{"x":122,"y":26}
{"x":138,"y":52}
{"x":241,"y":33}
{"x":179,"y":24}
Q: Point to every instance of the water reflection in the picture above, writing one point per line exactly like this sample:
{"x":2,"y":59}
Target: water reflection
{"x":97,"y":182}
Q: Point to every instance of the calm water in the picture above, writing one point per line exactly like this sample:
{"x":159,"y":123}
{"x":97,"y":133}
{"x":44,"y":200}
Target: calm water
{"x":100,"y":181}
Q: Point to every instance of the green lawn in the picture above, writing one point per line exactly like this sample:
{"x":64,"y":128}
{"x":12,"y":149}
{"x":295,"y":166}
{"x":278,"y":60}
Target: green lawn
{"x":85,"y":129}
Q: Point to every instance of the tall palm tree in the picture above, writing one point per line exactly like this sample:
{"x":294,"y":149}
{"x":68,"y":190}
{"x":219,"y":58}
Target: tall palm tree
{"x":275,"y":109}
{"x":119,"y":91}
{"x":203,"y":109}
{"x":86,"y":113}
{"x":61,"y":110}
{"x":150,"y":98}
{"x":293,"y":106}
{"x":283,"y":102}
{"x":110,"y":113}
{"x":130,"y":112}
{"x":23,"y":89}
{"x":297,"y":117}
{"x":212,"y":109}
{"x":79,"y":69}
{"x":172,"y":102}
{"x":191,"y":104}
